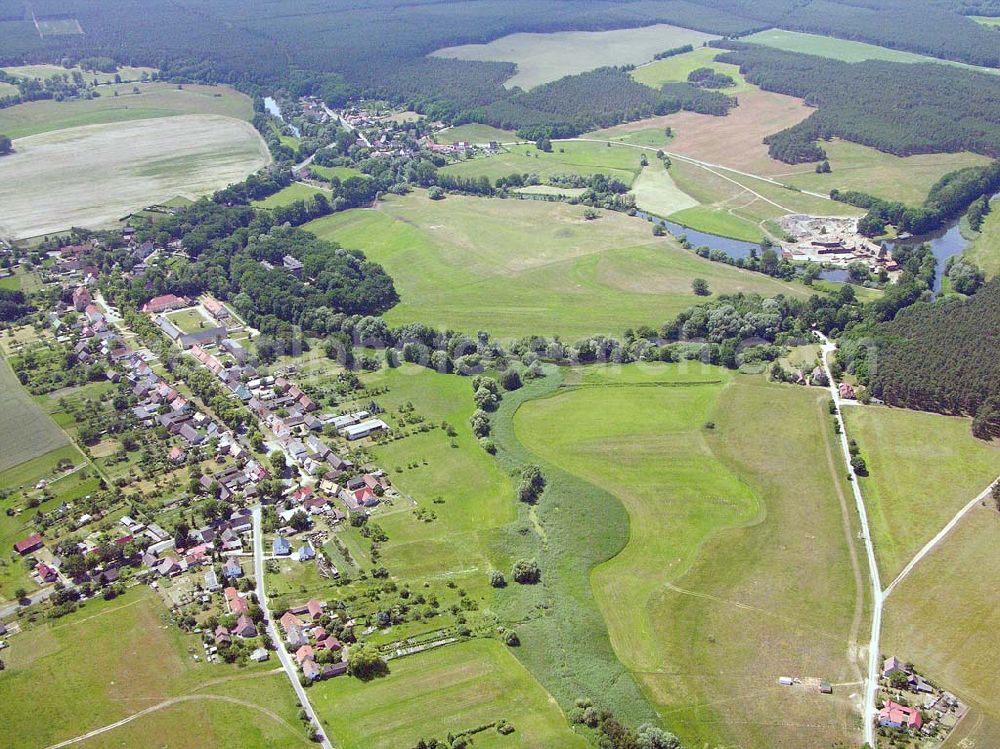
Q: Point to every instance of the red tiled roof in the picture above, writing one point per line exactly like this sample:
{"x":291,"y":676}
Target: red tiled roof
{"x":29,"y":543}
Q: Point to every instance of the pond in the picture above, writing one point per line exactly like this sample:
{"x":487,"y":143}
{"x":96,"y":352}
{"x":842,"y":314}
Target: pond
{"x":272,"y":108}
{"x":735,"y":248}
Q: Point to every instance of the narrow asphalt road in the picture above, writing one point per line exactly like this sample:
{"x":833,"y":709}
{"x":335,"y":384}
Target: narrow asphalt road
{"x":272,"y":629}
{"x":871,"y":682}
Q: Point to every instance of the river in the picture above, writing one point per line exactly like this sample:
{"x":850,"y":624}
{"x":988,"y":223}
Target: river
{"x":945,"y":243}
{"x":272,"y":107}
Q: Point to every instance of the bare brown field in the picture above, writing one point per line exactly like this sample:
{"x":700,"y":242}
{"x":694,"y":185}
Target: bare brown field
{"x":735,"y":140}
{"x":90,"y":176}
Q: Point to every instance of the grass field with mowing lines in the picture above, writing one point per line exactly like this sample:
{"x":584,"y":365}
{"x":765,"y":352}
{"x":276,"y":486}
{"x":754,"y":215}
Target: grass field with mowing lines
{"x":26,"y":432}
{"x":943,"y":618}
{"x":923,"y":469}
{"x":114,"y":658}
{"x":474,"y":133}
{"x":91,"y":176}
{"x":520,"y":267}
{"x":153,"y":100}
{"x":450,"y":689}
{"x":288,"y":195}
{"x":678,"y":67}
{"x":656,"y":192}
{"x":906,"y":179}
{"x":729,"y":519}
{"x":541,"y":58}
{"x":565,"y":158}
{"x":985,"y":249}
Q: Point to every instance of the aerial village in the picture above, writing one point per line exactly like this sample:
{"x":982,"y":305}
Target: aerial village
{"x":308,"y":485}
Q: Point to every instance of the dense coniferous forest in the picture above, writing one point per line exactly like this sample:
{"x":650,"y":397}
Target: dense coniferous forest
{"x":379,"y":47}
{"x":936,"y":357}
{"x":600,"y":98}
{"x":895,"y":107}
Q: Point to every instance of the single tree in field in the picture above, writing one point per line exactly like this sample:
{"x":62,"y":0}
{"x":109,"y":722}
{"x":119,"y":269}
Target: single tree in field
{"x":700,"y":287}
{"x":6,"y":145}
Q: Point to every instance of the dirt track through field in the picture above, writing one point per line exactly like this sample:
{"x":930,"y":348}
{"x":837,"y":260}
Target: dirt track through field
{"x":93,"y":175}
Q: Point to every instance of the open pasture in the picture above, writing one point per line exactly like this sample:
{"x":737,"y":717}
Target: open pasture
{"x":450,"y":689}
{"x":677,"y":68}
{"x":153,"y":100}
{"x":923,"y":468}
{"x":725,"y":549}
{"x":907,"y":179}
{"x":114,"y":658}
{"x":566,"y":157}
{"x":520,"y":267}
{"x":26,"y":432}
{"x":541,"y":58}
{"x":328,"y":172}
{"x":93,"y":175}
{"x":943,"y":617}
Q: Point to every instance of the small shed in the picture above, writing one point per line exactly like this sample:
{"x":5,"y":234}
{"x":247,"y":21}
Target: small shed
{"x":825,"y":687}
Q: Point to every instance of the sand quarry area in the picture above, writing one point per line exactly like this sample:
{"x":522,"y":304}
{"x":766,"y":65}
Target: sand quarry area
{"x":91,"y":176}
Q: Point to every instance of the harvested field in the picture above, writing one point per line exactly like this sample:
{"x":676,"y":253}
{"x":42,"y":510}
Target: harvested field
{"x":541,"y":58}
{"x":91,"y":176}
{"x":735,"y":140}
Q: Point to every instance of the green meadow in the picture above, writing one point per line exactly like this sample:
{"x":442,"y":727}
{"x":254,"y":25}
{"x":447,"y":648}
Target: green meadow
{"x":904,"y":178}
{"x":943,"y":618}
{"x":678,"y":67}
{"x":839,"y":49}
{"x":519,"y":267}
{"x":25,"y":431}
{"x":450,"y":689}
{"x":288,"y":195}
{"x":112,"y":659}
{"x":923,"y":468}
{"x":985,"y":248}
{"x":723,"y":551}
{"x":566,"y":157}
{"x":451,"y":476}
